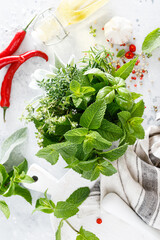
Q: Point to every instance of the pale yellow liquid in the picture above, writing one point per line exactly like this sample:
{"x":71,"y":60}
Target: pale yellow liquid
{"x":68,"y":12}
{"x":73,"y":11}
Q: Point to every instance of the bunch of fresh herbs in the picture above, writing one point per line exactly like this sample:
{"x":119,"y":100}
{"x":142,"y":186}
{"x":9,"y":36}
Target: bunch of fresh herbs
{"x":84,"y":110}
{"x":66,"y":209}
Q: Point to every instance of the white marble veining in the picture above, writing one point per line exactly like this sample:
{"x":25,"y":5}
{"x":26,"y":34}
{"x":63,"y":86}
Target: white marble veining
{"x":15,"y":14}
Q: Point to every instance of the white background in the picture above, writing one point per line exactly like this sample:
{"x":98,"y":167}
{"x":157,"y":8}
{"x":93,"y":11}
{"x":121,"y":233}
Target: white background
{"x":15,"y":14}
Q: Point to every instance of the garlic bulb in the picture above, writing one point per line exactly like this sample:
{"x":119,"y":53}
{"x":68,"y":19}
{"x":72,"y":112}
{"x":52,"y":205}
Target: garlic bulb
{"x":118,"y":30}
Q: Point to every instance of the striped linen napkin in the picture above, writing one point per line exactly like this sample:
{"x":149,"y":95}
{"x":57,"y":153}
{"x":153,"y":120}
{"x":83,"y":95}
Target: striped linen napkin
{"x":137,"y":180}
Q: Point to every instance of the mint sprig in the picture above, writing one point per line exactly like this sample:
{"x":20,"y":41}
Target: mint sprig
{"x":65,"y":210}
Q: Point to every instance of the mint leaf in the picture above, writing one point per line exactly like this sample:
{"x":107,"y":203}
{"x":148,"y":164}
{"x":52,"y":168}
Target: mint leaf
{"x":76,"y":135}
{"x":23,"y":192}
{"x":5,"y":209}
{"x":79,"y":196}
{"x":152,"y":41}
{"x":124,"y":116}
{"x":86,"y":235}
{"x":3,"y":174}
{"x":23,"y":167}
{"x":106,"y":93}
{"x":58,"y":233}
{"x":75,"y":87}
{"x":87,"y":165}
{"x":65,"y":210}
{"x":49,"y":154}
{"x":135,"y":95}
{"x":98,"y":73}
{"x":110,"y":131}
{"x":66,"y":149}
{"x":126,"y":69}
{"x":93,"y":115}
{"x":92,"y":174}
{"x":45,"y":205}
{"x":107,"y":169}
{"x":95,"y":140}
{"x":116,"y":153}
{"x":138,"y":109}
{"x":121,"y":53}
{"x":125,"y":104}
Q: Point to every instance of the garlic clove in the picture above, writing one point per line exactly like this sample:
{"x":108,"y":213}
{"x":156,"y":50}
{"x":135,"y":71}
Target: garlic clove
{"x":118,"y":30}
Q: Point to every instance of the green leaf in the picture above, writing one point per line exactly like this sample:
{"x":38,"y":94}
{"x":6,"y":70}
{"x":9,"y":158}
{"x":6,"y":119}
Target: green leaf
{"x":5,"y":209}
{"x":66,"y":149}
{"x":3,"y":174}
{"x":107,"y":169}
{"x":92,"y":174}
{"x":58,"y":233}
{"x":77,"y":135}
{"x":106,"y":93}
{"x":93,"y":115}
{"x":121,"y":53}
{"x":87,"y":165}
{"x":139,"y":131}
{"x":87,"y":91}
{"x":124,"y":93}
{"x":152,"y":41}
{"x":123,"y":103}
{"x":26,"y":179}
{"x":9,"y":147}
{"x":23,"y":167}
{"x":58,"y":62}
{"x":126,"y":69}
{"x":110,"y":131}
{"x":79,"y":196}
{"x":45,"y":205}
{"x":124,"y":116}
{"x":98,"y":73}
{"x":49,"y":154}
{"x":86,"y":235}
{"x":95,"y":140}
{"x":135,"y":95}
{"x":75,"y":86}
{"x":116,"y":153}
{"x":23,"y":192}
{"x":138,"y":109}
{"x":65,"y":210}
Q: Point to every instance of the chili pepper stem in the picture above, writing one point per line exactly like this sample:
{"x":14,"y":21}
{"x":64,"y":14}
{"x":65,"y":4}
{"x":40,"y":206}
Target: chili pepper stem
{"x":4,"y":113}
{"x":25,"y":29}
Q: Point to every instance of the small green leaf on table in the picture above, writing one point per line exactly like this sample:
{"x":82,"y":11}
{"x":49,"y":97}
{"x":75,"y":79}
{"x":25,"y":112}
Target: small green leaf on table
{"x":126,"y":69}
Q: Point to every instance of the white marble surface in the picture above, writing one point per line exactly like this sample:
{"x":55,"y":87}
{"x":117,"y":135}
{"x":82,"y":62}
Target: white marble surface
{"x":15,"y":14}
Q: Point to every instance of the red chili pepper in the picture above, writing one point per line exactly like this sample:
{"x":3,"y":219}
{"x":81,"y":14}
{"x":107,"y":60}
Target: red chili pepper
{"x":7,"y":82}
{"x":16,"y":42}
{"x":10,"y":59}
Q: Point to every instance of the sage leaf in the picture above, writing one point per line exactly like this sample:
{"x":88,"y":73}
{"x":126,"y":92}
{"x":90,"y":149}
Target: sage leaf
{"x":93,"y":115}
{"x":5,"y":209}
{"x":126,"y":69}
{"x":58,"y":62}
{"x":10,"y":153}
{"x":65,"y":210}
{"x":152,"y":41}
{"x":79,"y":196}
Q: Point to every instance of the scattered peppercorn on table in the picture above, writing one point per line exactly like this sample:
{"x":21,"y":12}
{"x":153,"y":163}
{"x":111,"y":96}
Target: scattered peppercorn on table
{"x":144,"y":79}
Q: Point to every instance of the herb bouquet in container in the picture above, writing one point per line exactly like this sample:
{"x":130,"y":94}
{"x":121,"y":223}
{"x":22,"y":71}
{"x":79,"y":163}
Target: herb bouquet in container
{"x":84,"y":110}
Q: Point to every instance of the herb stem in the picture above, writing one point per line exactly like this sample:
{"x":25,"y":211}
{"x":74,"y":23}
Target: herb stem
{"x":72,"y":226}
